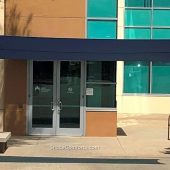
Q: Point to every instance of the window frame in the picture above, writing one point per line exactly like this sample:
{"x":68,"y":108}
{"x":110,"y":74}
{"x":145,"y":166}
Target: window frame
{"x":150,"y":93}
{"x":152,"y":8}
{"x":114,"y":19}
{"x":101,"y":83}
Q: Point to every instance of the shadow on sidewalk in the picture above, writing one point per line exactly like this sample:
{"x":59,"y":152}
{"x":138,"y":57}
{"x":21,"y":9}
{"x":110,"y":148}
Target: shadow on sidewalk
{"x":167,"y":151}
{"x":121,"y":132}
{"x":20,"y":159}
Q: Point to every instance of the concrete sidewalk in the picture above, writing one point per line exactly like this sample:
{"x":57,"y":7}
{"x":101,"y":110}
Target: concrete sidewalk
{"x":139,"y":137}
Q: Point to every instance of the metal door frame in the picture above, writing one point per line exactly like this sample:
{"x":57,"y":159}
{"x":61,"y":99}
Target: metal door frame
{"x":55,"y":130}
{"x":71,"y":131}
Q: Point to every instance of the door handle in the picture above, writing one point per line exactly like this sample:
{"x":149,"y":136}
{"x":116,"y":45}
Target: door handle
{"x":52,"y":108}
{"x":60,"y":105}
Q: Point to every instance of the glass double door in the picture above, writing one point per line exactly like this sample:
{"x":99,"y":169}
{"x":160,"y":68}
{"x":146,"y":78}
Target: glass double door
{"x":56,"y":98}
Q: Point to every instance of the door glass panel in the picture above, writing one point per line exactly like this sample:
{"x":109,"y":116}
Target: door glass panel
{"x":70,"y":94}
{"x":42,"y":113}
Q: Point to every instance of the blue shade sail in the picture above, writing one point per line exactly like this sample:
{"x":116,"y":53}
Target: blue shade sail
{"x":102,"y":8}
{"x":161,"y":33}
{"x":161,"y":77}
{"x":136,"y":77}
{"x":36,"y":48}
{"x":101,"y":29}
{"x":137,"y":33}
{"x":138,"y":3}
{"x":137,"y":17}
{"x":161,"y":18}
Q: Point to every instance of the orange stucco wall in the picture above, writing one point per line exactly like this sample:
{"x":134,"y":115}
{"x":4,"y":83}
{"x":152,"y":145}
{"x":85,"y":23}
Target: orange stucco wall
{"x":15,"y":96}
{"x":101,"y":124}
{"x":46,"y":18}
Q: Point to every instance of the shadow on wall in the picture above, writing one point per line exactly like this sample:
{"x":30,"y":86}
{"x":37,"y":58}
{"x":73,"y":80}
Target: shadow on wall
{"x":15,"y":120}
{"x":14,"y":25}
{"x":1,"y":93}
{"x":15,"y":96}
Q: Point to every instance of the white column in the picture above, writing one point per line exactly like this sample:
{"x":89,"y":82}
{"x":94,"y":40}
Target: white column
{"x":120,"y":64}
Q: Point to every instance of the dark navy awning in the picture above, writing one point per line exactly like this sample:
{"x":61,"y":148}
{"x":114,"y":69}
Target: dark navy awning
{"x":13,"y":47}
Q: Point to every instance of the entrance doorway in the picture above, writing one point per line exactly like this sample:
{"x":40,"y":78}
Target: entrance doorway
{"x":56,"y":98}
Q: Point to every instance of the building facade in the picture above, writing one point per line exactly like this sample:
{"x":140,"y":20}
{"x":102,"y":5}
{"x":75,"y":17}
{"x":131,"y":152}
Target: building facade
{"x":81,"y":97}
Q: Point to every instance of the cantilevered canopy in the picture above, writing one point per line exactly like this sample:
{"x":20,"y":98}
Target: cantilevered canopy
{"x":31,"y":48}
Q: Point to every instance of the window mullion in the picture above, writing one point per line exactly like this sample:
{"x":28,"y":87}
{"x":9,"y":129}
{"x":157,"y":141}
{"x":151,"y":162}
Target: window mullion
{"x":150,"y":78}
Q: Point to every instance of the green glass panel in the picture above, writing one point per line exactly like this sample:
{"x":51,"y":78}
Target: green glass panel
{"x":161,"y":18}
{"x":161,"y":3}
{"x":161,"y":33}
{"x":102,"y":8}
{"x":137,"y":17}
{"x":103,"y":95}
{"x":42,"y":114}
{"x":101,"y":77}
{"x":138,"y":3}
{"x":101,"y":29}
{"x":161,"y":78}
{"x":137,"y":33}
{"x":136,"y":77}
{"x":101,"y":71}
{"x":70,"y":80}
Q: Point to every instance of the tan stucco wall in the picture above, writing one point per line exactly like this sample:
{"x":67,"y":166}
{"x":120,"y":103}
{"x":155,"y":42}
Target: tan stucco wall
{"x":101,"y":124}
{"x":47,"y":18}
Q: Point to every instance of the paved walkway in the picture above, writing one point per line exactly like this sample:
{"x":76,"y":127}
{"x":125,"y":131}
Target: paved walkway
{"x":141,"y":143}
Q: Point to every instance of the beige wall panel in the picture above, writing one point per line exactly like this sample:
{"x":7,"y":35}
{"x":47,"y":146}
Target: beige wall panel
{"x":101,"y":124}
{"x":15,"y":96}
{"x":120,"y":22}
{"x":46,"y":27}
{"x":143,"y":104}
{"x":48,"y":8}
{"x":1,"y":17}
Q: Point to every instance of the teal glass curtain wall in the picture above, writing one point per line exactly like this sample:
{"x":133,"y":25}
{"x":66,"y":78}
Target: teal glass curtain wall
{"x":137,"y":33}
{"x":161,"y":78}
{"x":101,"y":29}
{"x":161,"y":3}
{"x":136,"y":77}
{"x":142,"y":15}
{"x":138,"y":3}
{"x":137,"y":17}
{"x":102,"y":19}
{"x":102,"y":8}
{"x":147,"y":19}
